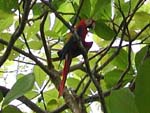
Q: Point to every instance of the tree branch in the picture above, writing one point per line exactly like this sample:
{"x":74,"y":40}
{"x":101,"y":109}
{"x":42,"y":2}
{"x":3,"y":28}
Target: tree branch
{"x":17,"y":33}
{"x":48,"y":55}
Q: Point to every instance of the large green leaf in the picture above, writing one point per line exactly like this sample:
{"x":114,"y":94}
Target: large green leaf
{"x":13,"y":55}
{"x":121,"y":60}
{"x":104,"y":31}
{"x":126,"y":6}
{"x":142,"y":83}
{"x":40,"y":75}
{"x":6,"y":20}
{"x":121,"y":101}
{"x":11,"y":109}
{"x":140,"y":57}
{"x":52,"y":104}
{"x":22,"y":86}
{"x":101,"y":9}
{"x":72,"y":82}
{"x":5,"y":36}
{"x":8,"y":5}
{"x":111,"y":78}
{"x":37,"y":9}
{"x":86,"y":8}
{"x":140,"y":20}
{"x":59,"y":27}
{"x":35,"y":44}
{"x":32,"y":30}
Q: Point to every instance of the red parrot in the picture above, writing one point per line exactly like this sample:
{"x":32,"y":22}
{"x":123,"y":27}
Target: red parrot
{"x":71,"y":48}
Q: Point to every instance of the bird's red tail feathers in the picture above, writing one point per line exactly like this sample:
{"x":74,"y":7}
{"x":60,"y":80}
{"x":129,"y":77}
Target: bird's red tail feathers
{"x":64,"y":75}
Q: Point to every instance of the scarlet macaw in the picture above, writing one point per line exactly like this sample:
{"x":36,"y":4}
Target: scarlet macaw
{"x":71,"y":48}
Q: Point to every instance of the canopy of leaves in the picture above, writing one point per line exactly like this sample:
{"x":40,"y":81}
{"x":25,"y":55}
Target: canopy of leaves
{"x":115,"y":72}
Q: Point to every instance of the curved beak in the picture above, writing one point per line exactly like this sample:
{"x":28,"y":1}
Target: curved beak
{"x":92,"y":25}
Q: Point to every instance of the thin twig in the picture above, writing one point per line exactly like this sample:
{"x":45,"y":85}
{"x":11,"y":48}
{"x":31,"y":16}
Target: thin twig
{"x":48,"y":55}
{"x":78,"y":12}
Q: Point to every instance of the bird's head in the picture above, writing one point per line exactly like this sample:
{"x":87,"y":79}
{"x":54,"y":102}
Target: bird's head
{"x":90,"y":23}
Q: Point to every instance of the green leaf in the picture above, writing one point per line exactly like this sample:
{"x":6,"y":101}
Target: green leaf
{"x":57,"y":3}
{"x":5,"y":20}
{"x":13,"y":55}
{"x":37,"y":9}
{"x":140,"y":20}
{"x":11,"y":109}
{"x":121,"y":60}
{"x":40,"y":75}
{"x":51,"y":94}
{"x":59,"y":27}
{"x":101,"y":9}
{"x":103,"y":31}
{"x":1,"y":47}
{"x":52,"y":34}
{"x":121,"y":101}
{"x":111,"y":78}
{"x":8,"y":5}
{"x":142,"y":83}
{"x":22,"y":86}
{"x":126,"y":6}
{"x":140,"y":57}
{"x":19,"y":43}
{"x":86,"y":8}
{"x":52,"y":104}
{"x":72,"y":82}
{"x":1,"y":96}
{"x":5,"y":36}
{"x":35,"y":44}
{"x":99,"y":41}
{"x":31,"y":31}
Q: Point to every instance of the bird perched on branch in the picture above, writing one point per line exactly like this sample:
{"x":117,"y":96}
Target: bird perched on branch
{"x":72,"y":49}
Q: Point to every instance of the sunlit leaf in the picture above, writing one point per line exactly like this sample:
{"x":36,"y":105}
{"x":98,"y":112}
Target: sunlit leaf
{"x":1,"y":47}
{"x":72,"y":82}
{"x":140,"y":20}
{"x":6,"y":21}
{"x":35,"y":44}
{"x":99,"y":41}
{"x":52,"y":104}
{"x":32,"y":30}
{"x":13,"y":55}
{"x":22,"y":86}
{"x":40,"y":75}
{"x":52,"y":34}
{"x":5,"y":36}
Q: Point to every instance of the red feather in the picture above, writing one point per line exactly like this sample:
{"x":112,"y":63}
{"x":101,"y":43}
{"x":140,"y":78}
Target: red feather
{"x":65,"y":71}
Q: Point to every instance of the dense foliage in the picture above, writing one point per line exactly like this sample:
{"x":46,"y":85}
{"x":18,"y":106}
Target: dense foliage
{"x":115,"y":73}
